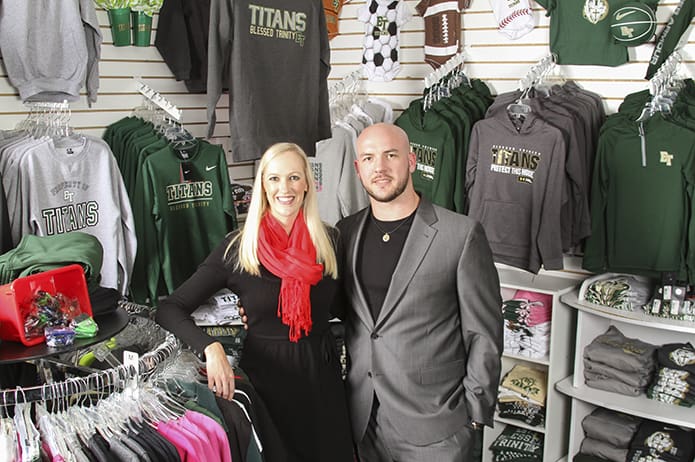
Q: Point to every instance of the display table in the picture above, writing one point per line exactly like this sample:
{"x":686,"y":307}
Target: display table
{"x":109,"y":325}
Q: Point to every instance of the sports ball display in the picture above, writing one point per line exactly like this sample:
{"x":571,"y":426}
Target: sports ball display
{"x":633,"y":24}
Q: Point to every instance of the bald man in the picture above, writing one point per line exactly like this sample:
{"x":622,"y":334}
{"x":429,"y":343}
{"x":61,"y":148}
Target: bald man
{"x":423,"y":315}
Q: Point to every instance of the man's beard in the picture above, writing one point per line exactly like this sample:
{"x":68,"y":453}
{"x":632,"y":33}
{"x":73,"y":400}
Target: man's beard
{"x":387,"y":196}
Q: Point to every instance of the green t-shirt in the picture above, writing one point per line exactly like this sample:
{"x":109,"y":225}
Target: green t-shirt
{"x":580,"y":31}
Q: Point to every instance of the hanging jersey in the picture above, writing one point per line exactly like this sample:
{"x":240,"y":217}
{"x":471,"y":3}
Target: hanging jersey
{"x":580,"y":31}
{"x":332,"y":8}
{"x":514,"y":17}
{"x":383,"y":19}
{"x":442,"y":29}
{"x":188,"y":203}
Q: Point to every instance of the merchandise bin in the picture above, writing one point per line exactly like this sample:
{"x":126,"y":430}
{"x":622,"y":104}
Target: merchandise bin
{"x":68,"y":280}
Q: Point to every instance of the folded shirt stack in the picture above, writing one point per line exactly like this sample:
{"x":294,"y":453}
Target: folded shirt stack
{"x":516,"y":444}
{"x":219,"y":310}
{"x":675,"y":379}
{"x":615,"y":363}
{"x":607,"y":435}
{"x":619,"y":291}
{"x":659,"y":442}
{"x":522,"y":395}
{"x":527,"y":320}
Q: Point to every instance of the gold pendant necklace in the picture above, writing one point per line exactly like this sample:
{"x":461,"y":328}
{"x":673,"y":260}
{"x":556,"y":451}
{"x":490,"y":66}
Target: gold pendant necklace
{"x":386,"y":236}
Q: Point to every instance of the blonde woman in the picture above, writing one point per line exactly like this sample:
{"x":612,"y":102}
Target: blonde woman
{"x":283,"y":266}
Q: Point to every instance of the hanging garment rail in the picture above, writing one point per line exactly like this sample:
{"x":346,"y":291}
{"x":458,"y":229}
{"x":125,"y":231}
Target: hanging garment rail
{"x":47,"y":118}
{"x":436,"y":75}
{"x":665,"y":73}
{"x":159,"y":100}
{"x":148,"y":365}
{"x":537,"y":72}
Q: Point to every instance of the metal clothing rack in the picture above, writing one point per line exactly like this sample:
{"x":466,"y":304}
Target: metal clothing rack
{"x":159,"y":100}
{"x":115,"y":378}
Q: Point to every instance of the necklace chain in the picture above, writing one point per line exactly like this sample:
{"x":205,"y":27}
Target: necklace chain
{"x":386,"y":236}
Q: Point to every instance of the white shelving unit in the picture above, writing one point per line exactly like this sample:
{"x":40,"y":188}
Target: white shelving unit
{"x":558,"y":364}
{"x":592,"y":321}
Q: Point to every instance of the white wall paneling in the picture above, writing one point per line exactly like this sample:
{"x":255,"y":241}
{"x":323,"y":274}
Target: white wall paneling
{"x":489,"y":56}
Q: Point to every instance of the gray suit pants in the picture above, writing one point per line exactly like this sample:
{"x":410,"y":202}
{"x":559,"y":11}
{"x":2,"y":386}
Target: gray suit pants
{"x":381,"y":443}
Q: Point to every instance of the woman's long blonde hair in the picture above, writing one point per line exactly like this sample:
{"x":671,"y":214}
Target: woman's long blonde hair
{"x":248,"y":237}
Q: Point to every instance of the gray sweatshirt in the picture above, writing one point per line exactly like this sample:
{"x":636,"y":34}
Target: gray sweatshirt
{"x":514,"y":181}
{"x":79,"y":188}
{"x":51,"y":48}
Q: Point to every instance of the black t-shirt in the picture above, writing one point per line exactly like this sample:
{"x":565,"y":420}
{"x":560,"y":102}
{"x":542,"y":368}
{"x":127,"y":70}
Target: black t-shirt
{"x":378,"y":257}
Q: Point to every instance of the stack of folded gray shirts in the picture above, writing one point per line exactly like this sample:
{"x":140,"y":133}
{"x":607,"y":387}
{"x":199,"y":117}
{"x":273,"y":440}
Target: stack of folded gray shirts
{"x":675,"y":379}
{"x":613,"y":362}
{"x":659,"y":442}
{"x":607,"y":435}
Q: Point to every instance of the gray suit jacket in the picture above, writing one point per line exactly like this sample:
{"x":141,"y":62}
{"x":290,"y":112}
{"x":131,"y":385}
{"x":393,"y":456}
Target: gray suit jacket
{"x":433,"y":355}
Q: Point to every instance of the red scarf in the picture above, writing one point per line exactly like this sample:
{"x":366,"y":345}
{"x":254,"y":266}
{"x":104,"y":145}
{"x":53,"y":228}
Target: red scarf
{"x":293,"y":259}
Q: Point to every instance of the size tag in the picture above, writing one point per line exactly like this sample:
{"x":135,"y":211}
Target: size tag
{"x":187,"y":173}
{"x":131,"y":360}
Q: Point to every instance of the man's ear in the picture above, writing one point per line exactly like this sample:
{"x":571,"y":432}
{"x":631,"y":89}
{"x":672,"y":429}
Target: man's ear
{"x":412,"y":161}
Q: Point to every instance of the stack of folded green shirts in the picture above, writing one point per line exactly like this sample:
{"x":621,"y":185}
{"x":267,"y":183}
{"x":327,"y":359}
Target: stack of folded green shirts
{"x":517,"y":444}
{"x":674,"y":382}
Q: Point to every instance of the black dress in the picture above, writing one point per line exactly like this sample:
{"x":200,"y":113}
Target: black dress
{"x":299,"y":382}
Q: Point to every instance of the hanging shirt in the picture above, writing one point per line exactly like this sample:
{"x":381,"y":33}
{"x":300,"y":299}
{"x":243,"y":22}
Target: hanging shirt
{"x":382,"y":22}
{"x":51,"y":49}
{"x":279,"y":59}
{"x":580,"y":31}
{"x":185,"y":206}
{"x":515,"y":178}
{"x":78,"y":188}
{"x":670,"y":36}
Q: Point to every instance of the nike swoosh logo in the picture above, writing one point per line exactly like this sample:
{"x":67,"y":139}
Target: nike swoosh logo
{"x":208,"y":168}
{"x":620,"y":16}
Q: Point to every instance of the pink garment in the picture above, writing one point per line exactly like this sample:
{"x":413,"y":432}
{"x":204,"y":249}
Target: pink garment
{"x":215,"y":430}
{"x":210,"y":445}
{"x":539,"y":308}
{"x":188,"y":451}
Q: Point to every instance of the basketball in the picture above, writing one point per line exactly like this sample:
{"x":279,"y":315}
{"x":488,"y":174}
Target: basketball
{"x":633,"y":24}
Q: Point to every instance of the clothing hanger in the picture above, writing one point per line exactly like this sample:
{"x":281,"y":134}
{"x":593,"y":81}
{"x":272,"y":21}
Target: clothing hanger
{"x":520,"y":108}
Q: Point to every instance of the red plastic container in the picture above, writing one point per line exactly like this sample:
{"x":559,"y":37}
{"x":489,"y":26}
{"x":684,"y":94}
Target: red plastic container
{"x":68,"y":280}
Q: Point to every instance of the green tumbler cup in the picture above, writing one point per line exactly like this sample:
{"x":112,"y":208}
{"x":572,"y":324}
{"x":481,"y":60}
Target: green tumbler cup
{"x":120,"y":26}
{"x":142,"y":28}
